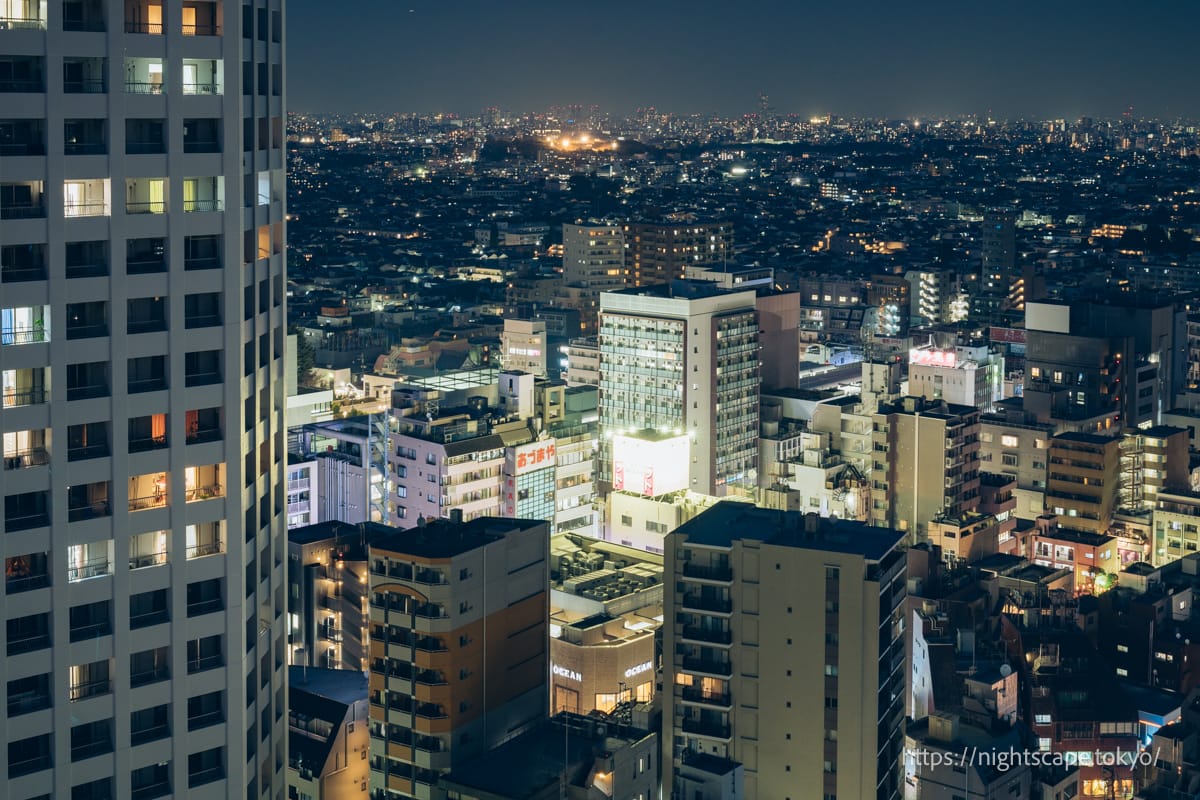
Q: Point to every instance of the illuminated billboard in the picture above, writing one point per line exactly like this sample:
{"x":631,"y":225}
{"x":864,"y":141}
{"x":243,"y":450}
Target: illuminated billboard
{"x":650,"y":466}
{"x":527,"y":457}
{"x":933,"y":358}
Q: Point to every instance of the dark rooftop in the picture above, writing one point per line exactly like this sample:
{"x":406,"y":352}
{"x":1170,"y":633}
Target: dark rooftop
{"x":332,"y":529}
{"x":446,"y":539}
{"x":729,"y":521}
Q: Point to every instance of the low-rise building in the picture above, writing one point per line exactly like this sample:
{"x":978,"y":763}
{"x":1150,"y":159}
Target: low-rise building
{"x":328,"y":734}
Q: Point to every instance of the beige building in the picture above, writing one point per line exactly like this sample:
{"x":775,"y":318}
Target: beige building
{"x":605,"y":608}
{"x":926,"y":464}
{"x":328,"y":734}
{"x":523,"y":347}
{"x":808,"y":703}
{"x":458,"y":645}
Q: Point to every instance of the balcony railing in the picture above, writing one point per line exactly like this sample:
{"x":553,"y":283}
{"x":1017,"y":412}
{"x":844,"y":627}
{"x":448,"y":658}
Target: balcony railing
{"x":206,"y":262}
{"x":146,"y":207}
{"x":201,"y":88}
{"x":22,"y":24}
{"x":157,"y":500}
{"x":150,"y":791}
{"x":100,"y":508}
{"x":708,"y":666}
{"x":152,"y":675}
{"x":143,"y":87}
{"x":201,"y":146}
{"x":202,"y":321}
{"x":704,"y":603}
{"x":28,"y":397}
{"x":145,"y":148}
{"x":153,"y":28}
{"x":22,"y":459}
{"x":84,"y":86}
{"x":90,"y":569}
{"x":151,"y":734}
{"x":205,"y":663}
{"x":87,"y":392}
{"x":709,"y":573}
{"x":144,"y":266}
{"x":701,"y":728}
{"x":82,"y":691}
{"x":147,"y":325}
{"x":206,"y":720}
{"x":698,"y":634}
{"x":203,"y":205}
{"x":87,"y":451}
{"x":23,"y":211}
{"x":26,"y":583}
{"x":708,"y":698}
{"x":93,"y":270}
{"x":204,"y":549}
{"x":84,"y":149}
{"x":204,"y":492}
{"x":87,"y":331}
{"x":204,"y":776}
{"x":24,"y":522}
{"x":209,"y":606}
{"x":200,"y":435}
{"x":28,"y":766}
{"x":201,"y":30}
{"x":28,"y":643}
{"x":156,"y":617}
{"x":23,"y":335}
{"x":147,"y":443}
{"x":93,"y":630}
{"x":27,"y":702}
{"x":22,"y":274}
{"x":142,"y":560}
{"x":85,"y":209}
{"x":27,"y":86}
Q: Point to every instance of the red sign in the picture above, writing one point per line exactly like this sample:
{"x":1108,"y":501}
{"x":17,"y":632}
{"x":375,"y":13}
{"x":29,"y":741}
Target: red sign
{"x":618,"y":476}
{"x":648,"y":482}
{"x":1007,"y":335}
{"x":542,"y":454}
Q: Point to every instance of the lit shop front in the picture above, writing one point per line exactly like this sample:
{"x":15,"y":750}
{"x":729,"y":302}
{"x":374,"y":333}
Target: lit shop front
{"x":598,"y":662}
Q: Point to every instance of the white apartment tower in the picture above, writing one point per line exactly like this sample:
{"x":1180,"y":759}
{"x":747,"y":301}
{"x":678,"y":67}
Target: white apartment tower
{"x":141,"y":353}
{"x":682,"y":359}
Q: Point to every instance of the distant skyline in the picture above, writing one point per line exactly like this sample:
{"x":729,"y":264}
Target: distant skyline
{"x":878,"y":58}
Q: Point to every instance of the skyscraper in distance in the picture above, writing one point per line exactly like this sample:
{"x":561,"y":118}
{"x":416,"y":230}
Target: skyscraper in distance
{"x":142,"y":307}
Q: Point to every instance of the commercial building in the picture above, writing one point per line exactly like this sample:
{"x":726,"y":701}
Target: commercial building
{"x":337,"y":471}
{"x":523,"y":346}
{"x":962,"y":375}
{"x":142,"y":235}
{"x":807,"y":703}
{"x":459,"y":662}
{"x":681,"y":360}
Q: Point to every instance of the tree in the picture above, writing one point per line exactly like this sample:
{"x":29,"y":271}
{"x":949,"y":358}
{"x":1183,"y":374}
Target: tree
{"x":306,"y":358}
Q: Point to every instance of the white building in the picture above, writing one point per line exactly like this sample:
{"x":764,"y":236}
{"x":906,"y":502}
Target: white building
{"x":683,"y":359}
{"x":142,"y":223}
{"x":523,"y":347}
{"x":965,"y":376}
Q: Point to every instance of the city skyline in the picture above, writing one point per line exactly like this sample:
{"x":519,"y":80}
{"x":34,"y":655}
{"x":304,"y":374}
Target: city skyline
{"x":1018,"y":60}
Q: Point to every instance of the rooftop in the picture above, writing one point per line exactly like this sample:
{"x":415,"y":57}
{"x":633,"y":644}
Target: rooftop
{"x":333,"y":529}
{"x":446,"y":539}
{"x":729,"y":521}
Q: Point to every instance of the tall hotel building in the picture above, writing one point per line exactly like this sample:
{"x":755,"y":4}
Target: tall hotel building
{"x":783,"y":641}
{"x":141,"y":353}
{"x":679,"y":360}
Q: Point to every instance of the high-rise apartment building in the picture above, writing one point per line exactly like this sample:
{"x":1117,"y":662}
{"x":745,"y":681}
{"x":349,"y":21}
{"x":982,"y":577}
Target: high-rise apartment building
{"x":783,"y":635}
{"x":142,"y":276}
{"x":459,"y":645}
{"x":593,"y":262}
{"x":680,"y":359}
{"x":662,"y":252}
{"x":998,"y":265}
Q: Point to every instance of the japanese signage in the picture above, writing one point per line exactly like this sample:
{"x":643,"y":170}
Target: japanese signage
{"x":651,"y":467}
{"x":532,"y":456}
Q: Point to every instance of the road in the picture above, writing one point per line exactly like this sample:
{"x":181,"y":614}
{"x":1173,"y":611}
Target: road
{"x":850,"y":373}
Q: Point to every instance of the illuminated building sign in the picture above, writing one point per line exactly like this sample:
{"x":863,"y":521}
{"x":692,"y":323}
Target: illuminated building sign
{"x":563,"y":672}
{"x":650,"y":467}
{"x":639,"y":669}
{"x":932,"y":358}
{"x":535,"y":455}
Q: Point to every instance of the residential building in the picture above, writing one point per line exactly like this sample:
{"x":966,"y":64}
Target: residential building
{"x":926,"y":464}
{"x":459,"y":662}
{"x":1083,"y":481}
{"x":682,"y":359}
{"x":565,"y":756}
{"x":337,"y":471}
{"x":662,"y":252}
{"x":593,"y":262}
{"x":523,"y":347}
{"x":804,"y":702}
{"x":932,"y":772}
{"x":1012,"y":443}
{"x":583,"y":362}
{"x":328,"y":735}
{"x":142,"y":237}
{"x":327,"y":599}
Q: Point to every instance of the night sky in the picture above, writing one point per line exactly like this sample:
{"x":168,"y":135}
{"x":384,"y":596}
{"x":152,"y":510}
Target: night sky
{"x":888,"y":58}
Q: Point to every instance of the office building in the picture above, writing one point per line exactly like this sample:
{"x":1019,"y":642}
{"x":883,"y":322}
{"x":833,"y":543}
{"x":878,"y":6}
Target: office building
{"x":662,"y":252}
{"x":328,"y":734}
{"x":679,"y":360}
{"x":809,"y":704}
{"x":459,"y":662}
{"x":142,"y":261}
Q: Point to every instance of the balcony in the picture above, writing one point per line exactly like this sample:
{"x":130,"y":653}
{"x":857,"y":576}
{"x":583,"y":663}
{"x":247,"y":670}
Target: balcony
{"x":27,"y":643}
{"x":86,"y":689}
{"x":707,"y":635}
{"x":29,"y":457}
{"x":143,"y":560}
{"x":150,"y":734}
{"x":201,"y":77}
{"x":24,"y":74}
{"x":206,"y":720}
{"x":16,"y":583}
{"x":15,"y":398}
{"x":27,"y":209}
{"x":145,"y":195}
{"x":21,"y":15}
{"x":148,"y":619}
{"x":24,"y":521}
{"x":702,"y":697}
{"x":87,"y":391}
{"x":718,"y":574}
{"x":86,"y":451}
{"x":144,"y":677}
{"x":205,"y":549}
{"x":96,"y":568}
{"x":205,"y":663}
{"x":28,"y":702}
{"x":145,"y":444}
{"x":91,"y":509}
{"x":723,"y":669}
{"x":700,"y":602}
{"x":713,"y":730}
{"x":201,"y":435}
{"x":28,"y":766}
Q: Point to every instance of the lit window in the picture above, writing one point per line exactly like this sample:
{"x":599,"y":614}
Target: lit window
{"x":1009,"y":441}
